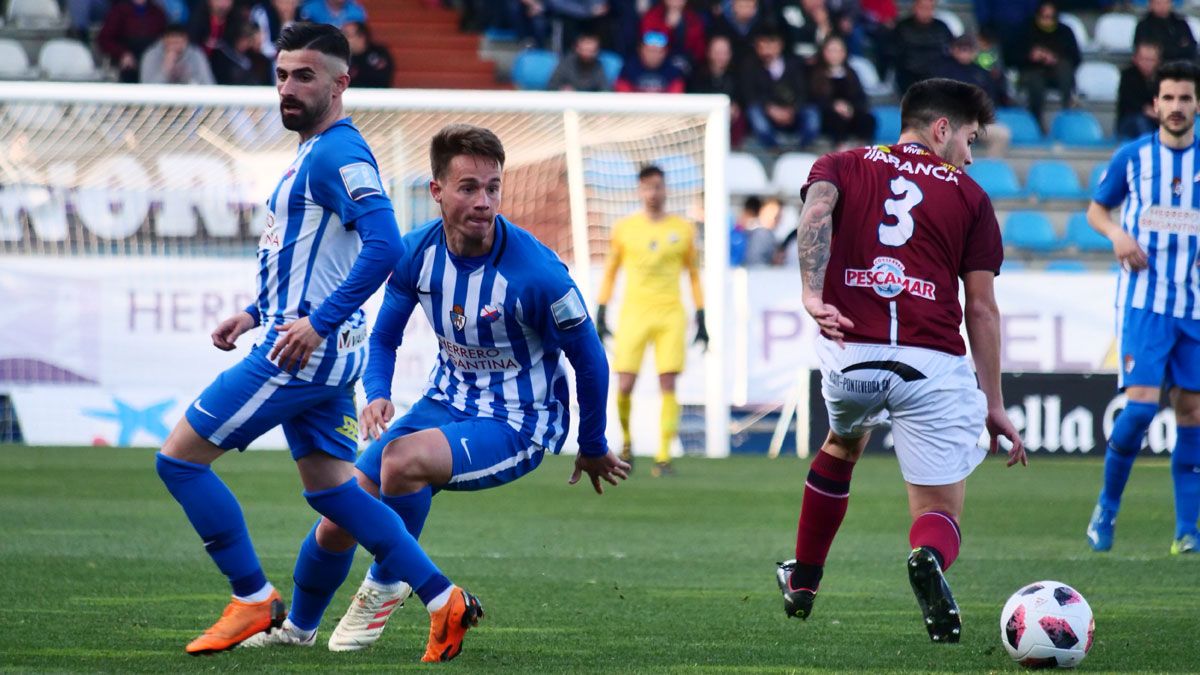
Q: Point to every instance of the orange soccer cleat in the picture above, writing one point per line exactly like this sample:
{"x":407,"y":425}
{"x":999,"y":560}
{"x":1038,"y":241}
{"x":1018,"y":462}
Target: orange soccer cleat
{"x":239,"y":621}
{"x":448,"y":626}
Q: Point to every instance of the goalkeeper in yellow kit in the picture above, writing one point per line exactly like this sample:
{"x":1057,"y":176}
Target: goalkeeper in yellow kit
{"x":653,"y":247}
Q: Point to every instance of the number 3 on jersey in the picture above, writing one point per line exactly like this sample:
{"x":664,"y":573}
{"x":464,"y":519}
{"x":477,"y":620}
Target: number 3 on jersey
{"x":907,"y":196}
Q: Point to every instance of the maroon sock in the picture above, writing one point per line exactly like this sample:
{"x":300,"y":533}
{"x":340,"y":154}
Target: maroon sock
{"x":939,"y":531}
{"x":826,"y":494}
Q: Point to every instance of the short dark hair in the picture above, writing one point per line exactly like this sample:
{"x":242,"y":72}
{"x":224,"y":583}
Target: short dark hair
{"x":649,"y":170}
{"x":320,"y":37}
{"x":753,"y":204}
{"x":936,"y":97}
{"x":463,"y":139}
{"x":1177,"y":70}
{"x":175,"y":29}
{"x":362,"y":27}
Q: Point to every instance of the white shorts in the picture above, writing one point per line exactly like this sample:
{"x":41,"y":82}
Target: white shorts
{"x":932,"y":398}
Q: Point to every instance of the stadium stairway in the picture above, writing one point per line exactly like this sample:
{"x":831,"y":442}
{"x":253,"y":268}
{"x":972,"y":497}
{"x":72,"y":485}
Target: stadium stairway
{"x":429,"y":50}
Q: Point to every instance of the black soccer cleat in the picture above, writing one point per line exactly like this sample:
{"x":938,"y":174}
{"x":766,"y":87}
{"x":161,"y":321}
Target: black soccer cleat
{"x":796,"y":601}
{"x":938,"y":608}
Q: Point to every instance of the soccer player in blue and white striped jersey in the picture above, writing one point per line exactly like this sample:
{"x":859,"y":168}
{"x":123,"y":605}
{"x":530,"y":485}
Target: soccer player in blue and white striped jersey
{"x":505,"y":312}
{"x":330,"y":240}
{"x":1158,"y":299}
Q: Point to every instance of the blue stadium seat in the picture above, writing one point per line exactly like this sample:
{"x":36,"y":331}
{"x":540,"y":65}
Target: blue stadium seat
{"x":1030,"y":230}
{"x":887,"y":123}
{"x":1077,"y":127}
{"x":533,"y":68}
{"x":611,"y":62}
{"x":1025,"y":129}
{"x":1098,"y":172}
{"x":1053,"y":179}
{"x":1010,"y":265}
{"x":682,"y":172}
{"x":610,"y":171}
{"x":496,"y":34}
{"x":1066,"y":265}
{"x":996,"y":178}
{"x":1083,"y":237}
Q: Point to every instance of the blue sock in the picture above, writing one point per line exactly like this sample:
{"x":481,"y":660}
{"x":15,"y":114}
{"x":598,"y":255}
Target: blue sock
{"x":217,"y":517}
{"x":318,"y":575}
{"x":378,"y":529}
{"x":1185,"y":469}
{"x":1124,"y":444}
{"x":413,"y":509}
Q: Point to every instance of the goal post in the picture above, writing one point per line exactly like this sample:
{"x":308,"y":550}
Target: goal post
{"x":147,"y":173}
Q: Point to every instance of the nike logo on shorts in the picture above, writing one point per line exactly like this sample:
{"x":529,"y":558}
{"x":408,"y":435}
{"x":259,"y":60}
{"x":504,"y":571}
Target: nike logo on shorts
{"x":466,"y":449}
{"x":197,"y":406}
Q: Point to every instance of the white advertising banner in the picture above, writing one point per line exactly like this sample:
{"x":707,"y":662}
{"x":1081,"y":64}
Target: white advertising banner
{"x":112,"y":350}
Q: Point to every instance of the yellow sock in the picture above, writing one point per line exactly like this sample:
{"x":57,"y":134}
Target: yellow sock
{"x":669,"y":423}
{"x":624,"y":405}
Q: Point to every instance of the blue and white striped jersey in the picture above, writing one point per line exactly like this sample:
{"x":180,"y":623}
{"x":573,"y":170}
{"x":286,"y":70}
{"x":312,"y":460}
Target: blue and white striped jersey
{"x":1160,"y":187}
{"x":501,"y":322}
{"x":309,"y":245}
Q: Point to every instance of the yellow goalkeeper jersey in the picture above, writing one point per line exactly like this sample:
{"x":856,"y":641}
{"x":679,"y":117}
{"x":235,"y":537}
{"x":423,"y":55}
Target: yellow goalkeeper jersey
{"x":653,"y":254}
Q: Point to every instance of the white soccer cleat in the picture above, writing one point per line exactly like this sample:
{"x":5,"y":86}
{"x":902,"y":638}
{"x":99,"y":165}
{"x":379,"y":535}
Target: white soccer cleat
{"x":286,"y":635}
{"x":367,"y":616}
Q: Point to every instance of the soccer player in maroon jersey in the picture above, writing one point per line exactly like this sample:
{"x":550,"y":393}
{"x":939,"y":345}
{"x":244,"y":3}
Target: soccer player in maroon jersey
{"x":885,"y":235}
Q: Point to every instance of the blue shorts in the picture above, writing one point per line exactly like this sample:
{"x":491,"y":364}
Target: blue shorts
{"x":252,"y":397}
{"x":1158,"y":350}
{"x":487,"y":452}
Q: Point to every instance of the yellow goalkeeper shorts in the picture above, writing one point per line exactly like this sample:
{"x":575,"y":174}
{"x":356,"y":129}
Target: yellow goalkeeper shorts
{"x":639,"y":328}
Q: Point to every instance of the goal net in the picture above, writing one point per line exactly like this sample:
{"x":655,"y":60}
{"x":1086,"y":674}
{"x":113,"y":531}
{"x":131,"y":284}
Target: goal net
{"x":130,"y":216}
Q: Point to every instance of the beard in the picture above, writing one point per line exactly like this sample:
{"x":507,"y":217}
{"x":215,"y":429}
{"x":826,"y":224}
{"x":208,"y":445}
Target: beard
{"x":302,"y":119}
{"x":1177,"y":125}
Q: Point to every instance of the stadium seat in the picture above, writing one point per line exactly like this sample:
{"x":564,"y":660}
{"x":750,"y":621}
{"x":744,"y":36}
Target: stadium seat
{"x":1083,"y":237}
{"x":996,"y":178}
{"x":1098,"y":81}
{"x":1053,"y":179}
{"x":1077,"y":128}
{"x":887,"y":123}
{"x":1030,"y":230}
{"x":951,"y":20}
{"x":495,"y":34}
{"x":1066,"y":265}
{"x":1081,"y":35}
{"x":681,"y":172}
{"x":791,"y":172}
{"x":1010,"y":265}
{"x":1025,"y":129}
{"x":868,"y":76}
{"x":1114,"y":32}
{"x":610,"y":171}
{"x":532,"y":69}
{"x":14,"y":64}
{"x":611,"y":62}
{"x":745,"y":175}
{"x":33,"y":13}
{"x":1097,"y":175}
{"x":66,"y":59}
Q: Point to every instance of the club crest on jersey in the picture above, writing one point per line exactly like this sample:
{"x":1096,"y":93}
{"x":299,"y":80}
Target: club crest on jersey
{"x":888,"y":279}
{"x":1128,"y":363}
{"x":457,"y":317}
{"x":489,"y":313}
{"x":1177,"y":186}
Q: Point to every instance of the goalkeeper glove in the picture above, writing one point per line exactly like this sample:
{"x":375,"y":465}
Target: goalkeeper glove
{"x":601,"y":326}
{"x":701,"y":331}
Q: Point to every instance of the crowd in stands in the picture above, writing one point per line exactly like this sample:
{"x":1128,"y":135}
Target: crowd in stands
{"x":215,"y":41}
{"x":793,"y":67}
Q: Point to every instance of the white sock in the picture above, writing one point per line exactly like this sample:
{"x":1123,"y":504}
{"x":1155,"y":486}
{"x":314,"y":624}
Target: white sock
{"x":377,"y":585}
{"x":296,"y":630}
{"x":257,"y":596}
{"x":440,"y":601}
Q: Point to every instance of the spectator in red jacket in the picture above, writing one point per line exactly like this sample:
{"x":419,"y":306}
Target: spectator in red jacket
{"x":130,"y":27}
{"x":684,"y":29}
{"x":650,"y":73}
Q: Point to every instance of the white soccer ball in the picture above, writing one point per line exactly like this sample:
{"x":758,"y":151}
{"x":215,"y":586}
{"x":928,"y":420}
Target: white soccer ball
{"x":1047,"y":624}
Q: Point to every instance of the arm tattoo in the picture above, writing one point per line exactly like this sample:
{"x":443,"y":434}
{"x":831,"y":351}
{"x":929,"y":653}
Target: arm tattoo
{"x":816,"y":229}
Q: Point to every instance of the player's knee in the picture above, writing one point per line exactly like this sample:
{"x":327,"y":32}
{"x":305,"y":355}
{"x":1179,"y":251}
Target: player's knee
{"x":404,"y":462}
{"x":1131,"y":426}
{"x":172,"y":470}
{"x":333,"y":538}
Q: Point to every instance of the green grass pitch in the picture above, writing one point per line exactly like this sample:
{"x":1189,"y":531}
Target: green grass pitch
{"x":99,"y":570}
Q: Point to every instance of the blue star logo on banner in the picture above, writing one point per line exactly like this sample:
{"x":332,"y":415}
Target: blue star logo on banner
{"x":132,"y":419}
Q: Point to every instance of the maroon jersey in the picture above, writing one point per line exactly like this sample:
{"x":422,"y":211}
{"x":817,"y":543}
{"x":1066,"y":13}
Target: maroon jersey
{"x":906,"y":226}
